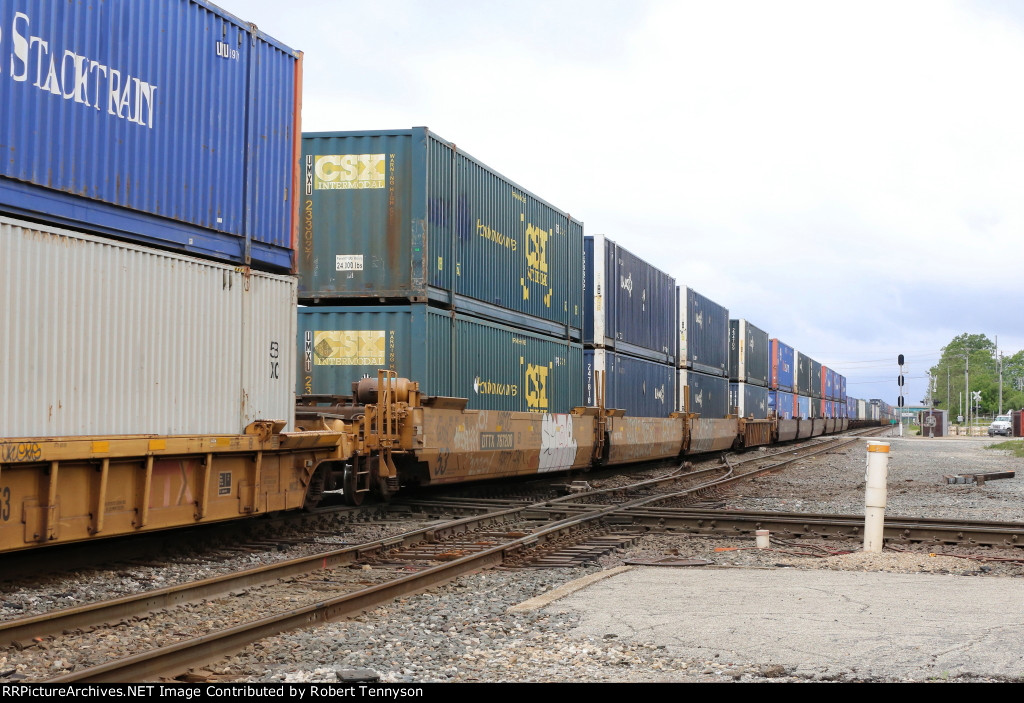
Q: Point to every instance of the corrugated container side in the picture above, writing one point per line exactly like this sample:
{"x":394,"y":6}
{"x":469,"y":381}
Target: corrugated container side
{"x":801,"y":373}
{"x":842,"y":388}
{"x":111,"y":338}
{"x":749,"y":354}
{"x":641,"y":387}
{"x":268,"y":334}
{"x":631,"y":297}
{"x":782,"y":404}
{"x":403,"y":214}
{"x":703,"y":333}
{"x":814,"y":381}
{"x":784,"y":371}
{"x":170,"y":123}
{"x":494,"y":366}
{"x":748,"y":400}
{"x":803,"y":407}
{"x":708,"y":395}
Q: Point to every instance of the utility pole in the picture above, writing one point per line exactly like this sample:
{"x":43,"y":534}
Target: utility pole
{"x":967,"y":391}
{"x":1000,"y":382}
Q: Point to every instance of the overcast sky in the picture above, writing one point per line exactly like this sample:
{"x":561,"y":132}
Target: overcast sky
{"x":844,"y":175}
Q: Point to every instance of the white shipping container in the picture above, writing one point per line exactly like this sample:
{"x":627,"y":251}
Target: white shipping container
{"x":101,"y":337}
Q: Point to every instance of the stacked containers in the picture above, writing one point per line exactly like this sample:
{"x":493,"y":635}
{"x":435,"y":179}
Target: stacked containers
{"x":703,"y":355}
{"x":403,"y":219}
{"x":190,"y":144}
{"x":749,"y":369}
{"x":626,"y":332}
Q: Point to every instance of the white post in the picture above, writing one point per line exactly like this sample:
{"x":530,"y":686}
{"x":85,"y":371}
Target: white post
{"x":874,"y":495}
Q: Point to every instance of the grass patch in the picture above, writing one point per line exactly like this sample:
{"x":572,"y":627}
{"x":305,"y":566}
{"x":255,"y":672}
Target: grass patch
{"x":1014,"y":445}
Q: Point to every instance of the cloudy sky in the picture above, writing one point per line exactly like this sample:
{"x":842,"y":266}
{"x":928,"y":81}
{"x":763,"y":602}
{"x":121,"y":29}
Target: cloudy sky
{"x":845,"y":175}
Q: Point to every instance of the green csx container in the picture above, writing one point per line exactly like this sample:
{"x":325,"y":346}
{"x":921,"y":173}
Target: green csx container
{"x":494,"y":366}
{"x":405,"y":216}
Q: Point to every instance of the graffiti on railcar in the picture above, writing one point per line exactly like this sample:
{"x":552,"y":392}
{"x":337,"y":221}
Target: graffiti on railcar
{"x":14,"y":452}
{"x":557,"y":443}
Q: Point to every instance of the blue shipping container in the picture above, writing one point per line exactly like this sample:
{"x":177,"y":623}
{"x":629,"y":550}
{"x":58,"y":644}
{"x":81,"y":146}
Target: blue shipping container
{"x":783,"y":366}
{"x":625,"y":302}
{"x":748,"y":400}
{"x":165,"y":122}
{"x":703,"y":333}
{"x":708,"y":395}
{"x":803,"y":407}
{"x":781,"y":404}
{"x":641,"y":387}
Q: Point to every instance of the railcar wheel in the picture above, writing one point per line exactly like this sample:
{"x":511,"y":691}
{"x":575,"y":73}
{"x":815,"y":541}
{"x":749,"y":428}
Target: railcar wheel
{"x":348,"y":486}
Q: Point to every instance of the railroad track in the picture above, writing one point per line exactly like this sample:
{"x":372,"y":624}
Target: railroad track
{"x":558,"y":532}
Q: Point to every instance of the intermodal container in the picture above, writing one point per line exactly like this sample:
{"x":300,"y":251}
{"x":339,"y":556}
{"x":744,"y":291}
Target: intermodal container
{"x":748,"y":400}
{"x":703,"y":394}
{"x":166,"y":122}
{"x":703,"y":333}
{"x":782,"y":404}
{"x":828,"y":382}
{"x":803,"y":407}
{"x":749,"y":353}
{"x":494,"y":366}
{"x":802,"y":373}
{"x":404,"y":215}
{"x":814,"y":381}
{"x":842,"y":388}
{"x":783,"y":359}
{"x":625,"y":302}
{"x":641,"y":387}
{"x":111,"y":338}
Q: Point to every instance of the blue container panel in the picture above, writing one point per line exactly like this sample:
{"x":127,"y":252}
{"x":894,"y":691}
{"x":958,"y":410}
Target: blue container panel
{"x":641,"y":387}
{"x":703,"y":333}
{"x":783,"y":366}
{"x":708,"y":395}
{"x":625,"y":302}
{"x":828,"y":377}
{"x":749,"y":354}
{"x":781,"y":403}
{"x":748,"y":400}
{"x":803,"y":407}
{"x":169,"y":123}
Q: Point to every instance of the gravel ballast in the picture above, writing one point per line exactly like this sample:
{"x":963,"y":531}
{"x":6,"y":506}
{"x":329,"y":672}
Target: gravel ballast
{"x":477,"y":629}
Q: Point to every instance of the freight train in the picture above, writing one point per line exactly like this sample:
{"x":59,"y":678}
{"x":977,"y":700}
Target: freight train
{"x":384,"y":436}
{"x":157,"y":248}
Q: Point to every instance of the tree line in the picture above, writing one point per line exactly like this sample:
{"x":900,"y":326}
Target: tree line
{"x":977,"y":354}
